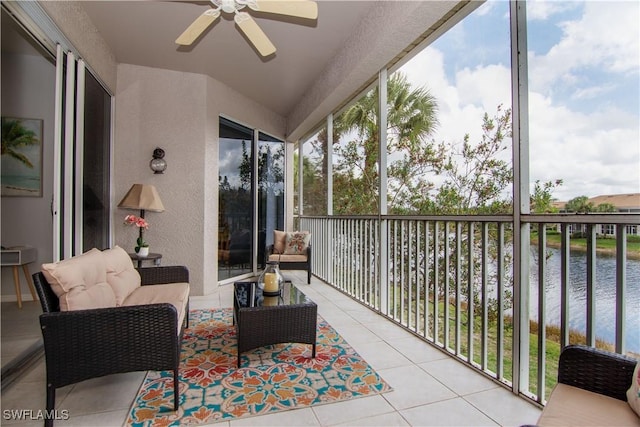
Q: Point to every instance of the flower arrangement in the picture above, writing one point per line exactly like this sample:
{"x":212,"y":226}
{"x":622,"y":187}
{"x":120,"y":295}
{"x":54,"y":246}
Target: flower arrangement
{"x":142,"y":224}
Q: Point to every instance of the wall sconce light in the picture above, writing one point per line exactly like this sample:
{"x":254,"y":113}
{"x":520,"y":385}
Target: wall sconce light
{"x":158,"y":164}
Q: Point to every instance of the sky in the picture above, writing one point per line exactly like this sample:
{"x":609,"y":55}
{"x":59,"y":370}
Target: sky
{"x":584,"y":88}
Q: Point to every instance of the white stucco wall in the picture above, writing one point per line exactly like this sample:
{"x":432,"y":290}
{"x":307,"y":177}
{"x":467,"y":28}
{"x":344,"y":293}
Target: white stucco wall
{"x":178,"y":112}
{"x":75,"y":24}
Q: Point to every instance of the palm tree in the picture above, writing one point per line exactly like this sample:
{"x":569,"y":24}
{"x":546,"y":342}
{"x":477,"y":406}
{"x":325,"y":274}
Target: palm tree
{"x":412,"y":117}
{"x":14,"y":136}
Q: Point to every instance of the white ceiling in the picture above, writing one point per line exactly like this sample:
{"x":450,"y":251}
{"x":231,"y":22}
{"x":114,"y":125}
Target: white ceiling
{"x":318,"y":65}
{"x":144,"y":32}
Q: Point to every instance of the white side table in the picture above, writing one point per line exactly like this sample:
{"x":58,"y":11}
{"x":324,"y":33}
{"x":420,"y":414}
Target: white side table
{"x":16,"y":256}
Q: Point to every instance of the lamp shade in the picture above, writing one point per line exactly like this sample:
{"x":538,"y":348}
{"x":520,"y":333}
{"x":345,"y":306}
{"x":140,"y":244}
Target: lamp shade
{"x":142,"y":196}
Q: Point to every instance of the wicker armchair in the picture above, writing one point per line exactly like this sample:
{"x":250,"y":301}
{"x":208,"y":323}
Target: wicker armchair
{"x":291,"y":265}
{"x":597,"y":395}
{"x":596,"y":370}
{"x":84,"y":344}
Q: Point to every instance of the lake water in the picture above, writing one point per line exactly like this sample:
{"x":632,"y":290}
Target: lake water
{"x":605,"y":295}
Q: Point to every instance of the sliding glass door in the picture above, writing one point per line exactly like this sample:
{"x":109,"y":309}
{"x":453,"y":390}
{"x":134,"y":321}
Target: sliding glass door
{"x":251,"y":198}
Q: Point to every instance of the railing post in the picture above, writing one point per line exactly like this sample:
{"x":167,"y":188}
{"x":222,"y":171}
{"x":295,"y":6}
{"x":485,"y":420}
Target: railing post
{"x":591,"y":284}
{"x":521,"y":229}
{"x":621,"y":280}
{"x":382,"y":186}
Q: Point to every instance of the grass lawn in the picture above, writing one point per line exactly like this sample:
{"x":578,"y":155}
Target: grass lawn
{"x":607,"y":245}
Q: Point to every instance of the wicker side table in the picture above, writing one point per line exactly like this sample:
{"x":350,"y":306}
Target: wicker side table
{"x":260,"y":321}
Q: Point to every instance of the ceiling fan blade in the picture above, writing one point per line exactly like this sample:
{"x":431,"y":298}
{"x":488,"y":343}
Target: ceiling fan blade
{"x":255,"y":35}
{"x":197,"y":27}
{"x":300,"y":8}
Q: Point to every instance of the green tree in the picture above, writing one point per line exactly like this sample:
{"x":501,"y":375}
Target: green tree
{"x":605,"y":207}
{"x":579,"y":204}
{"x":542,"y":197}
{"x":14,"y":136}
{"x":412,"y":117}
{"x":476,"y":179}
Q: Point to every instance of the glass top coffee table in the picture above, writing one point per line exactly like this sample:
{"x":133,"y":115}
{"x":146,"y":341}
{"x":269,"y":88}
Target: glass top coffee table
{"x":264,"y":320}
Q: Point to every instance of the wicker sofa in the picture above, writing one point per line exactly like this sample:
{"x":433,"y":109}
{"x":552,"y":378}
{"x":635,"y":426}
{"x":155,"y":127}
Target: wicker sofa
{"x":591,"y":390}
{"x":143,"y":331}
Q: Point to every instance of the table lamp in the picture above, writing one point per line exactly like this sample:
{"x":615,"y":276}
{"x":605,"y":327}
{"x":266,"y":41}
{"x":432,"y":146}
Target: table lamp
{"x":143,"y":197}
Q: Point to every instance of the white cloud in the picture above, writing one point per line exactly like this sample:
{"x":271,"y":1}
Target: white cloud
{"x":592,"y":92}
{"x":542,"y":10}
{"x":594,"y":152}
{"x":605,"y":37}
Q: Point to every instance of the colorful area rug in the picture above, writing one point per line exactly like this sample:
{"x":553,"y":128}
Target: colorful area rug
{"x":271,"y":379}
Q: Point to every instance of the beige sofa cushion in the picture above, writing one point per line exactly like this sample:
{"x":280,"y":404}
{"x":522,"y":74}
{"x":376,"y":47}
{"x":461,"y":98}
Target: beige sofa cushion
{"x":80,"y":282}
{"x":121,"y":274}
{"x":279,"y":240}
{"x":173,"y":293}
{"x":287,"y":258}
{"x":572,"y":406}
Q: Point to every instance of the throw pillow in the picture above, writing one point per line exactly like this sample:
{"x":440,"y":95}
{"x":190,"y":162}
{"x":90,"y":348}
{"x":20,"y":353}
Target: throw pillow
{"x":279,"y":241}
{"x":80,"y":282}
{"x":121,"y":274}
{"x":297,"y":243}
{"x":633,"y":394}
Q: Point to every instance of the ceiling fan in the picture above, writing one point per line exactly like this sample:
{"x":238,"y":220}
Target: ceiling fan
{"x":297,"y":8}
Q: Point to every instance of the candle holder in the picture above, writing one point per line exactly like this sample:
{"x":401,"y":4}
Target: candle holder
{"x":271,"y":280}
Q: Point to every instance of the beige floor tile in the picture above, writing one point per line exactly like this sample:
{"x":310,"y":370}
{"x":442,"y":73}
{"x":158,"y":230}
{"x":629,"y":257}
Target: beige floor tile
{"x":384,"y":420}
{"x":453,"y":412}
{"x":356,"y":334}
{"x":387,"y":330}
{"x":352,"y":410}
{"x":458,"y":377}
{"x":29,"y":396}
{"x":100,"y":419}
{"x":416,"y":350}
{"x":505,"y":407}
{"x":298,"y":417}
{"x":413,"y":387}
{"x":381,"y":355}
{"x":108,"y":393}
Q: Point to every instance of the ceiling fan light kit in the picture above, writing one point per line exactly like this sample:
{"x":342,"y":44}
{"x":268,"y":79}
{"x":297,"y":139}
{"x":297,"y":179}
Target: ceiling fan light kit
{"x":297,"y":8}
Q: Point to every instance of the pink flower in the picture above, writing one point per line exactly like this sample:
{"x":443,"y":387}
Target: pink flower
{"x":137,"y":221}
{"x":140,"y":222}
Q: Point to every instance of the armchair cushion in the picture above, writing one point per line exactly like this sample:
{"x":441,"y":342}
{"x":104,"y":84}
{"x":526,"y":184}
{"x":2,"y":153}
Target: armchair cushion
{"x":573,"y":406}
{"x":297,"y":243}
{"x":288,"y":258}
{"x":279,"y":241}
{"x":633,"y":394}
{"x":121,"y":274}
{"x":80,"y":282}
{"x":176,"y":294}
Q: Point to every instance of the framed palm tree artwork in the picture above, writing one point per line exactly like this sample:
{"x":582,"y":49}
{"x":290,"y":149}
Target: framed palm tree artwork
{"x":21,"y":159}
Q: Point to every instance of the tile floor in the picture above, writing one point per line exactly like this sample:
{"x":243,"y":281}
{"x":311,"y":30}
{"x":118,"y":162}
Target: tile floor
{"x":430,"y":388}
{"x":20,"y":328}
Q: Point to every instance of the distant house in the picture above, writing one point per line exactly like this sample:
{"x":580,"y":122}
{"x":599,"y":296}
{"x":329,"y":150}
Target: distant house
{"x":624,"y":203}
